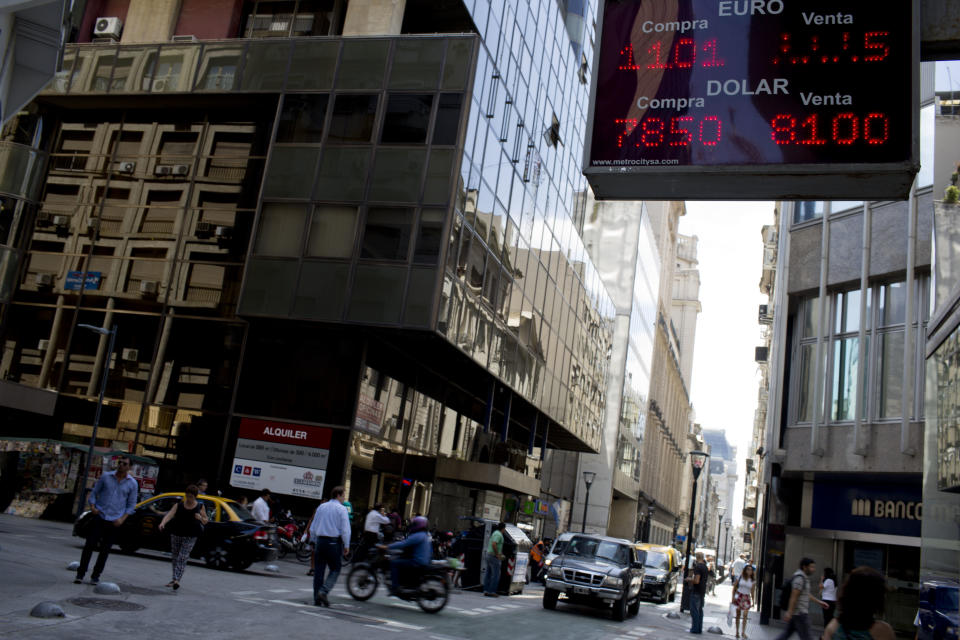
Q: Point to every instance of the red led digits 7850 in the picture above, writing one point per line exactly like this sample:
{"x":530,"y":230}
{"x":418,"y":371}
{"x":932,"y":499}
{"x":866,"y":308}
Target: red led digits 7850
{"x":677,"y":131}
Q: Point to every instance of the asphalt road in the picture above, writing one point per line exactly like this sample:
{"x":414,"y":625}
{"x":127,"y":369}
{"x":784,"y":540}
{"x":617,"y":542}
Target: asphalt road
{"x":259,"y":604}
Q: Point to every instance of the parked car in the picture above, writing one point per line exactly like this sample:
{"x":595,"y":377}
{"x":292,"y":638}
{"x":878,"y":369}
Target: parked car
{"x":232,"y":539}
{"x":938,"y":606}
{"x":597,"y":571}
{"x":662,"y":576}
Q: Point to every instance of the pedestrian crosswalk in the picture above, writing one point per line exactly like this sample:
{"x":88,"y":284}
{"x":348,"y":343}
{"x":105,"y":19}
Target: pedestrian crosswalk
{"x":342,"y":601}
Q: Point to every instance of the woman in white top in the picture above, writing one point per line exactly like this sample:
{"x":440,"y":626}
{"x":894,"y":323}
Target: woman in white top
{"x":828,"y":593}
{"x":743,"y":598}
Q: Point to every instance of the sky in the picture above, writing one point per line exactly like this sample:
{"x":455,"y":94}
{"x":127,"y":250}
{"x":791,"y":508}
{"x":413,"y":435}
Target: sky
{"x":725,"y":376}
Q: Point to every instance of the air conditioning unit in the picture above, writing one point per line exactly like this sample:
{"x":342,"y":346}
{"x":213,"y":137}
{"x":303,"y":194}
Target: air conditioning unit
{"x":224,"y":235}
{"x":130,"y":355}
{"x":108,"y":28}
{"x":124,"y":167}
{"x":43,"y":345}
{"x":159,"y":85}
{"x":44,"y":279}
{"x":184,"y":38}
{"x":204,"y":230}
{"x":162,"y":170}
{"x":761,"y":354}
{"x":61,"y":221}
{"x":149,"y":287}
{"x":180,"y":169}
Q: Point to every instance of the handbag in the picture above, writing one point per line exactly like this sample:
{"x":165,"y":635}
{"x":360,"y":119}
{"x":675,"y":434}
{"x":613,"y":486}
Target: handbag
{"x":731,"y":612}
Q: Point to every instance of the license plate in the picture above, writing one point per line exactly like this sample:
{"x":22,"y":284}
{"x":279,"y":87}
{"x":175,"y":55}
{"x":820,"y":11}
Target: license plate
{"x":582,"y":590}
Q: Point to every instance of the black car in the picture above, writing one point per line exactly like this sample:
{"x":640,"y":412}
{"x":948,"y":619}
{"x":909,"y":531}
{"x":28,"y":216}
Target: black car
{"x":232,"y":539}
{"x":597,"y":571}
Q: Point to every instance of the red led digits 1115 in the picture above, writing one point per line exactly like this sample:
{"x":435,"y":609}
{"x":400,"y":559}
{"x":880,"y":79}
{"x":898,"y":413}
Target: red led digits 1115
{"x":678,"y":131}
{"x":844,"y":129}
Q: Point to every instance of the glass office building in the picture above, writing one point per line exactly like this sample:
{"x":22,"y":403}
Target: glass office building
{"x":374,"y":233}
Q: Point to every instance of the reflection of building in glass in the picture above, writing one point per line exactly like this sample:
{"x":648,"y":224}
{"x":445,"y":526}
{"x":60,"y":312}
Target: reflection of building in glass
{"x":374,"y":234}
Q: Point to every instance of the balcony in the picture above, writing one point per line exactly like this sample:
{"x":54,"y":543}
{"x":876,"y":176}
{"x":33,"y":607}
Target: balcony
{"x":260,"y":65}
{"x":17,"y":177}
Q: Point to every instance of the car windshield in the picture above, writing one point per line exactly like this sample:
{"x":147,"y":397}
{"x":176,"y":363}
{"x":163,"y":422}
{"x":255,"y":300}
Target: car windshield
{"x":241,"y":511}
{"x":657,"y":560}
{"x":948,"y":600}
{"x":559,"y":546}
{"x":599,"y":549}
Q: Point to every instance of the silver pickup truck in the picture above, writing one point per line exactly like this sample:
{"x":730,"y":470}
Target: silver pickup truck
{"x":597,"y":571}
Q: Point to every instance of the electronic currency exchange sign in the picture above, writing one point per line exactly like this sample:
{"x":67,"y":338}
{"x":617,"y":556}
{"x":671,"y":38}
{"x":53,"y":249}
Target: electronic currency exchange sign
{"x":754,"y":99}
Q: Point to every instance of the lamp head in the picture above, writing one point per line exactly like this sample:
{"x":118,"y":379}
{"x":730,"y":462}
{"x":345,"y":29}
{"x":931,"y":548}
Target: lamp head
{"x":588,"y":477}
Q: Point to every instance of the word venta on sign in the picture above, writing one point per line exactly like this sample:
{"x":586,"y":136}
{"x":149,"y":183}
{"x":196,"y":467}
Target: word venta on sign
{"x":820,"y":96}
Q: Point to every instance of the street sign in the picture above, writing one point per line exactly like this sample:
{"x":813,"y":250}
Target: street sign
{"x":72,"y":282}
{"x":754,"y":99}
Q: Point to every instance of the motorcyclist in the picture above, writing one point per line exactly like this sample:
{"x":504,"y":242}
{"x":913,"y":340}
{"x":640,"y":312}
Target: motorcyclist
{"x":417,"y":550}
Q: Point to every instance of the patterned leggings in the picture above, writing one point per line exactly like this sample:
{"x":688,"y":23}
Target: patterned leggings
{"x":180,"y":547}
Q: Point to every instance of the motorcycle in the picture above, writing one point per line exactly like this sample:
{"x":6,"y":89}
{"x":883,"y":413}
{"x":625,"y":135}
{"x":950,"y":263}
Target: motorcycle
{"x":428,"y":588}
{"x":289,"y":536}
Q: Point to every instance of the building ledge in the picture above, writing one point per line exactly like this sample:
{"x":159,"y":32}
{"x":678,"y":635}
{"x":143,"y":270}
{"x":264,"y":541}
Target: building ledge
{"x":485,"y":475}
{"x":625,"y":485}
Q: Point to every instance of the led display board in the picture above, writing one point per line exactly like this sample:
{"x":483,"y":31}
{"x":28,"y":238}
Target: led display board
{"x":754,"y":99}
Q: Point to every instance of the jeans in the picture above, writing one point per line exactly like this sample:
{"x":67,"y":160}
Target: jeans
{"x":799,"y":622}
{"x":329,"y":552}
{"x":492,"y":578}
{"x":101,"y":534}
{"x":696,"y":612}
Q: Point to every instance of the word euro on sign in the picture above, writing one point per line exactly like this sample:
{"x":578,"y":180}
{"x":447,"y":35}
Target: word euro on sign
{"x":896,"y":509}
{"x":754,"y":99}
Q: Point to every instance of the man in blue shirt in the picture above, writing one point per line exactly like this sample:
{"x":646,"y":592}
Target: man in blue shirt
{"x":417,"y":548}
{"x":330,"y":532}
{"x":113,"y":499}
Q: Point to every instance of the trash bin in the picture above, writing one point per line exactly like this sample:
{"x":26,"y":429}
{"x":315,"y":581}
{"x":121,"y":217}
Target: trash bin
{"x":513,"y":572}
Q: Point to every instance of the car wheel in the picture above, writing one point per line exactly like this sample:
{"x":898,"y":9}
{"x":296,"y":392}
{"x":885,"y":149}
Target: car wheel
{"x":550,"y":597}
{"x":620,"y":609}
{"x":240,"y":565}
{"x":634,"y":607}
{"x":218,"y":558}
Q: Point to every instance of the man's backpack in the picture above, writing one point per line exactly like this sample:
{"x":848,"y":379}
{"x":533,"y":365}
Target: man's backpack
{"x":786,"y":589}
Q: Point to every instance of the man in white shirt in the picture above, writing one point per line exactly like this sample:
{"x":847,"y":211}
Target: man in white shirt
{"x":261,"y":506}
{"x":738,"y":566}
{"x":330,"y":532}
{"x":371,"y":531}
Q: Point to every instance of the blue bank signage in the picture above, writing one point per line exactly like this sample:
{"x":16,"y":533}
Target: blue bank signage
{"x":892,"y":509}
{"x":74,"y":278}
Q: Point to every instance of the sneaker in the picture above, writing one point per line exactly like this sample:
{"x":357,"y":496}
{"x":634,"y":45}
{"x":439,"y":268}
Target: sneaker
{"x":78,"y":580}
{"x":321,"y":599}
{"x":94,"y":580}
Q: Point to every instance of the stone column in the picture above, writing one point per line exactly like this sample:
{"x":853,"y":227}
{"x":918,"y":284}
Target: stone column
{"x":150,"y":21}
{"x":374,"y":17}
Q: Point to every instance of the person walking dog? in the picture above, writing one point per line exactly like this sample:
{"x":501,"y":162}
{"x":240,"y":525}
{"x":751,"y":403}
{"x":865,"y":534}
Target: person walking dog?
{"x":187,"y":518}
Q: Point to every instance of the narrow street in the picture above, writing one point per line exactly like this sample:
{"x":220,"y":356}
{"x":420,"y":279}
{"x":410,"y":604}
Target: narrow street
{"x":258,"y":604}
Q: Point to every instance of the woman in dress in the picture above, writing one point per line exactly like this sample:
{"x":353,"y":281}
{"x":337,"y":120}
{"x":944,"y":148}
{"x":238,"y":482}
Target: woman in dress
{"x":861,"y":603}
{"x":186,"y":519}
{"x":828,"y":593}
{"x":743,"y":598}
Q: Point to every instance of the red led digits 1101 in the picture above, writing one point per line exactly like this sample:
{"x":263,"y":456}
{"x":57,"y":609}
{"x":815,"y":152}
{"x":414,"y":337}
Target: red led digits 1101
{"x":844,"y":129}
{"x":678,"y":131}
{"x":683,"y":55}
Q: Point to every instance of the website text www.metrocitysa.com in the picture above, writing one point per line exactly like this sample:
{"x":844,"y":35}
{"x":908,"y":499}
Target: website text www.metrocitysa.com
{"x":639,"y":161}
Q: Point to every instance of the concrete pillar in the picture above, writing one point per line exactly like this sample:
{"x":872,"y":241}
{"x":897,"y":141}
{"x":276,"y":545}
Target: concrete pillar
{"x":150,"y":21}
{"x":51,"y":345}
{"x":93,"y":386}
{"x":373,"y":17}
{"x":156,"y":371}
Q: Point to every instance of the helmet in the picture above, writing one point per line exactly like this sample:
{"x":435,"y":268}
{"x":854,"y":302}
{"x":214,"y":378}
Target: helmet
{"x":418,"y":524}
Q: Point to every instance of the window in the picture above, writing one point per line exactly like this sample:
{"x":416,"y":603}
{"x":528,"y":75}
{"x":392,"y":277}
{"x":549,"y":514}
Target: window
{"x":284,"y":18}
{"x":407,"y":119}
{"x":807,"y":210}
{"x":281,"y":229}
{"x":332,"y":231}
{"x":429,"y":236}
{"x":448,"y":119}
{"x":386,"y":235}
{"x":883,"y":352}
{"x":353,"y":117}
{"x":302,"y":118}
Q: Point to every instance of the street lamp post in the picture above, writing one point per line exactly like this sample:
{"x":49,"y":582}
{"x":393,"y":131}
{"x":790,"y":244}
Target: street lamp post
{"x":726,"y":541}
{"x":720,"y":511}
{"x":588,"y":477}
{"x":651,"y":510}
{"x":697,"y":460}
{"x":112,"y":332}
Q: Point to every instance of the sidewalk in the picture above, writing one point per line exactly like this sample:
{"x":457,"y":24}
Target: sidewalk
{"x":715,"y":614}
